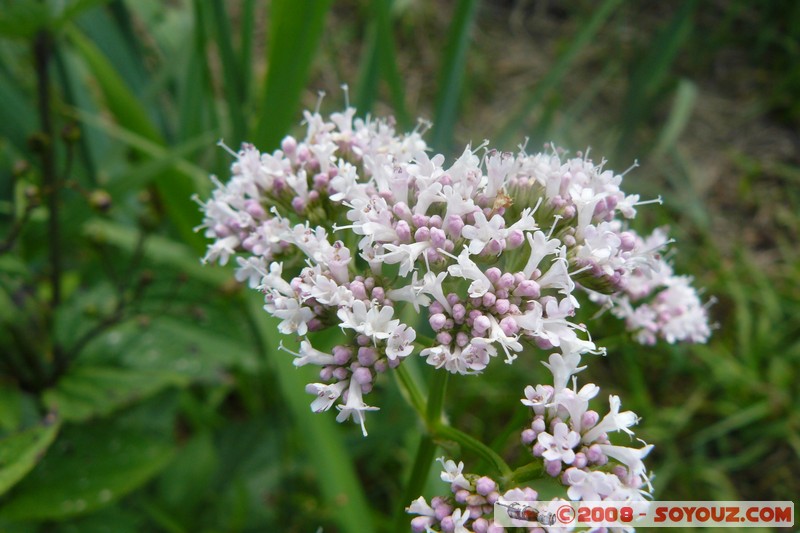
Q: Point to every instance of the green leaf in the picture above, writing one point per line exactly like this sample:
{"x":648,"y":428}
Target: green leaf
{"x":173,"y":347}
{"x":94,"y":391}
{"x":20,"y":452}
{"x":88,"y":468}
{"x":295,"y":30}
{"x":160,"y":250}
{"x":231,"y":71}
{"x":18,"y":117}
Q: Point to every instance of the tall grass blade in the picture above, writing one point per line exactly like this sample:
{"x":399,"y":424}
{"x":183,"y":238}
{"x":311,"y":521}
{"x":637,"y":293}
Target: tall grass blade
{"x":388,"y":63}
{"x":231,"y":71}
{"x":295,"y":31}
{"x":653,"y":70}
{"x":559,"y":70}
{"x":366,"y":90}
{"x":451,"y":75}
{"x":339,"y":484}
{"x":682,"y":107}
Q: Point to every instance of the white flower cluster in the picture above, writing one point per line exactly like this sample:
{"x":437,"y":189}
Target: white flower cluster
{"x":354,"y":222}
{"x":571,"y":439}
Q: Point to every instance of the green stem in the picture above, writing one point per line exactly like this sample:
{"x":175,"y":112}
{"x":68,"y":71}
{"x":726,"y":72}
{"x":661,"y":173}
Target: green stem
{"x":471,"y":443}
{"x":42,"y":48}
{"x":416,"y":482}
{"x":434,"y":411}
{"x":410,"y":390}
{"x":524,"y":473}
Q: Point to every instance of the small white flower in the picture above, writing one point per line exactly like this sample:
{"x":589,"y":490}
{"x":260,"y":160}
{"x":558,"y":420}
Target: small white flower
{"x":467,"y":269}
{"x":482,"y":231}
{"x":590,"y":486}
{"x":355,"y":407}
{"x":294,"y":314}
{"x":401,"y":342}
{"x":613,"y":421}
{"x":326,"y":394}
{"x":560,"y":445}
{"x":452,"y":473}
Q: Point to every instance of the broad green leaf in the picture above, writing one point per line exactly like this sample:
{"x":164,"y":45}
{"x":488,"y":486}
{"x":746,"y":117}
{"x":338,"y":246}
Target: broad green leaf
{"x":10,"y":405}
{"x":124,"y":520}
{"x":89,"y":467}
{"x":94,"y":391}
{"x":19,"y":452}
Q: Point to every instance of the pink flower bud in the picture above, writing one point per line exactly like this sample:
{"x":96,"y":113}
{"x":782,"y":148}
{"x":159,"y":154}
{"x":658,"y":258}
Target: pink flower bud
{"x":494,"y":274}
{"x":481,"y":324}
{"x":515,"y":239}
{"x":501,"y":306}
{"x":437,"y":321}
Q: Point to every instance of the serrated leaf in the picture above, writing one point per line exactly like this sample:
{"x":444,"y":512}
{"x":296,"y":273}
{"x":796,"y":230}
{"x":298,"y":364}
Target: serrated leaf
{"x":20,"y":452}
{"x":89,"y":467}
{"x":95,"y":391}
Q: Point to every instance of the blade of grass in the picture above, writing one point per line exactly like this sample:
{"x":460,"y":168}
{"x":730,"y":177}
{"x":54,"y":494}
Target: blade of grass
{"x":339,"y":485}
{"x":451,"y":77}
{"x":558,"y":71}
{"x":369,"y":71}
{"x":232,"y":81}
{"x":193,"y":97}
{"x":650,"y":75}
{"x":388,"y":62}
{"x":295,"y":30}
{"x":681,"y":112}
{"x":246,"y":46}
{"x":154,"y":151}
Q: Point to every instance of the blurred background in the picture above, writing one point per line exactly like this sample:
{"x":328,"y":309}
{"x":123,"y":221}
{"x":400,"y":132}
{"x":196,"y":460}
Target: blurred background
{"x":140,"y":391}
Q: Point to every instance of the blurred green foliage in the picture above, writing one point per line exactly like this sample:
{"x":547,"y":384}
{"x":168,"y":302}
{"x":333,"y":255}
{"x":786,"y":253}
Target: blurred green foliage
{"x":140,"y":391}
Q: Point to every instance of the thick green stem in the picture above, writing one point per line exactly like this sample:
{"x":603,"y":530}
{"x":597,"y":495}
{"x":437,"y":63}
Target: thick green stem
{"x":471,"y":443}
{"x":410,"y":390}
{"x":416,"y":481}
{"x":527,"y":472}
{"x":42,"y":49}
{"x":434,"y":410}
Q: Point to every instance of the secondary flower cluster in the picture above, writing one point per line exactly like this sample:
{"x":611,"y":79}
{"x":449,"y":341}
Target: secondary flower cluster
{"x":573,"y":443}
{"x":355,"y":222}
